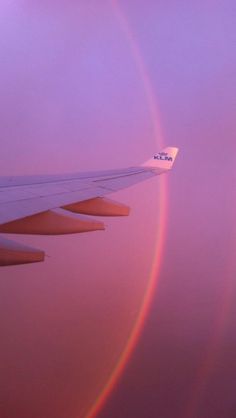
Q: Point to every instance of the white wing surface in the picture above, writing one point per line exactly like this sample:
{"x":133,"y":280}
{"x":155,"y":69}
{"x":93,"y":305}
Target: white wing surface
{"x":27,"y":204}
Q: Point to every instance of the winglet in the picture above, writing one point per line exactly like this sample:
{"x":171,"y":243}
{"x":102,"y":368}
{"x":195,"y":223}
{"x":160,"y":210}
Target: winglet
{"x":163,"y":159}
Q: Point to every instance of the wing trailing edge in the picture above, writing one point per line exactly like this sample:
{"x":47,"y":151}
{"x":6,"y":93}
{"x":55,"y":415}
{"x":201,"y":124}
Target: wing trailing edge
{"x":27,"y":204}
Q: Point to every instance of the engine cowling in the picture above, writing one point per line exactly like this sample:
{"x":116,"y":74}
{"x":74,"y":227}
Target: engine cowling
{"x":99,"y":206}
{"x":13,"y":253}
{"x":51,"y":223}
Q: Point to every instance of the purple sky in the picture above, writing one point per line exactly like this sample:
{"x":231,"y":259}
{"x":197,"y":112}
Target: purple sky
{"x":74,"y":96}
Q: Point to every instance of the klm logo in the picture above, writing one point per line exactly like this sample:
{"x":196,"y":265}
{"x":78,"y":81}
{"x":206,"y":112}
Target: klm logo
{"x":163,"y":156}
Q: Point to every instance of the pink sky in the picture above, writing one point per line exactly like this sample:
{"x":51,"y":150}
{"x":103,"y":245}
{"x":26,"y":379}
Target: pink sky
{"x":79,"y":85}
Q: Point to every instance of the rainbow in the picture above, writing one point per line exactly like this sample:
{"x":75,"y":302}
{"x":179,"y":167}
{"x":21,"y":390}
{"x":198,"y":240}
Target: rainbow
{"x":161,"y":226}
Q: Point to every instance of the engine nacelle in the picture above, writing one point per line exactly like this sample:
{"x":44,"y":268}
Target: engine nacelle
{"x":13,"y":253}
{"x":99,"y":207}
{"x":51,"y":223}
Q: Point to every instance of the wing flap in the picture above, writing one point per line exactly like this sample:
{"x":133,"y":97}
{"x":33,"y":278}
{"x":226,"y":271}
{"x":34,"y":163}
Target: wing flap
{"x":26,"y":196}
{"x":35,"y":199}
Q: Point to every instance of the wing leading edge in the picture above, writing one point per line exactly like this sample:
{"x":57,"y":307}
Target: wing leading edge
{"x":27,"y":204}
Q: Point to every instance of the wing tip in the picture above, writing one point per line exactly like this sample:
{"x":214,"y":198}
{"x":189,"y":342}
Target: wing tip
{"x":163,"y":159}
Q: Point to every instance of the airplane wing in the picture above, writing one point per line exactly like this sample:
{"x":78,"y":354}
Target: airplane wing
{"x":27,"y":204}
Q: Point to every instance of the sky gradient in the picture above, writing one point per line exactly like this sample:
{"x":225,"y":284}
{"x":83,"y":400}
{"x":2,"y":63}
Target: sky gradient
{"x":87,"y":86}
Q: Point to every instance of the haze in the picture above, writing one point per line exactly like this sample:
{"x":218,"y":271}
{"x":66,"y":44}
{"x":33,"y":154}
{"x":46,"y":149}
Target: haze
{"x":92,"y":86}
